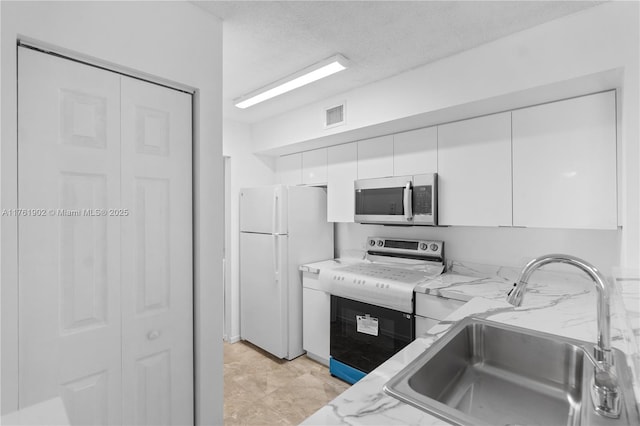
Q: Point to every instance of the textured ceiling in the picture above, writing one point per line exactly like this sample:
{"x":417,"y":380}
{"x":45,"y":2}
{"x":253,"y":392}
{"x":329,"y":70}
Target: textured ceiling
{"x":264,"y":41}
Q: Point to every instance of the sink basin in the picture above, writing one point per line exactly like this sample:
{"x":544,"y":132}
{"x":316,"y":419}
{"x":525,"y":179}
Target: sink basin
{"x":483,"y":372}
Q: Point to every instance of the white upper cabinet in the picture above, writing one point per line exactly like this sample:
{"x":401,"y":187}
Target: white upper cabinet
{"x":415,"y":152}
{"x":290,"y":169}
{"x":314,"y":167}
{"x":375,"y":157}
{"x":564,"y":164}
{"x":342,"y":170}
{"x":474,"y":171}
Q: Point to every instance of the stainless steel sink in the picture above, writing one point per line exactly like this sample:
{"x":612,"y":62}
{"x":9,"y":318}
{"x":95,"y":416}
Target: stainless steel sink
{"x":483,"y":372}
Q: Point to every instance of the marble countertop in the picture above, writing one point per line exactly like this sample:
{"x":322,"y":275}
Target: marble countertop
{"x":316,"y":267}
{"x":556,"y":302}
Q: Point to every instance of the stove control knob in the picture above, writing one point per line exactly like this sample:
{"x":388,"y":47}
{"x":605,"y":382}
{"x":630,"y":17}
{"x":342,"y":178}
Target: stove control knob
{"x":423,"y":246}
{"x":434,"y":247}
{"x":372,"y":242}
{"x":380,"y":243}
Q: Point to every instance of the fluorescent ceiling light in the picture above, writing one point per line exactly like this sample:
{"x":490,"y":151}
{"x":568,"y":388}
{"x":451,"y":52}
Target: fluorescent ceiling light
{"x":308,"y":75}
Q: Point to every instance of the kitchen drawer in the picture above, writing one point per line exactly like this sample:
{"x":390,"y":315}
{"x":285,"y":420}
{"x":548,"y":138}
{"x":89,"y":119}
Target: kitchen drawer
{"x":435,"y":307}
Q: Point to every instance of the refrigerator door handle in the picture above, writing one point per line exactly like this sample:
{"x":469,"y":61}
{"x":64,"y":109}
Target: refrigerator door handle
{"x":275,"y":258}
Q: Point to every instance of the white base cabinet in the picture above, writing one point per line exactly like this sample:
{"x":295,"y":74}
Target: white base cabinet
{"x":430,"y":310}
{"x":316,"y":311}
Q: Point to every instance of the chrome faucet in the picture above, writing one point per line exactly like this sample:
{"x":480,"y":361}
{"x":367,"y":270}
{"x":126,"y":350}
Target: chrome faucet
{"x":605,"y":392}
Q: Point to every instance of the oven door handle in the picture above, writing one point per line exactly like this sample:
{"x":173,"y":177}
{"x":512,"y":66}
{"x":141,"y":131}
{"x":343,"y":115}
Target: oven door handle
{"x":406,"y":201}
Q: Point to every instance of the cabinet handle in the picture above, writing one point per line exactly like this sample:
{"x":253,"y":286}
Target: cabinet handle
{"x":153,"y":334}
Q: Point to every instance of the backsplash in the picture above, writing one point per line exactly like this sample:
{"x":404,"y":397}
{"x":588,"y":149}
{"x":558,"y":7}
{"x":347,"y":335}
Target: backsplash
{"x":512,"y":247}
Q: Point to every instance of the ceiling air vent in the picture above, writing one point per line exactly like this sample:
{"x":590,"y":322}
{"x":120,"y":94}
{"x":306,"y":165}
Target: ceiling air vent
{"x":334,"y":116}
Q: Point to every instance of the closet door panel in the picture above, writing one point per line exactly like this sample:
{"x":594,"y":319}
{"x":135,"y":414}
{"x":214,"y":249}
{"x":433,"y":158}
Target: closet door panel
{"x":156,"y":255}
{"x":69,"y":251}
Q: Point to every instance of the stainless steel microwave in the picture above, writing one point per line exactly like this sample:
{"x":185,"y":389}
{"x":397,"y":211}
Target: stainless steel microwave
{"x":400,"y":200}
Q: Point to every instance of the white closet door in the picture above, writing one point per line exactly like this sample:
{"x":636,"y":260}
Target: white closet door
{"x":69,"y":266}
{"x":156,"y":255}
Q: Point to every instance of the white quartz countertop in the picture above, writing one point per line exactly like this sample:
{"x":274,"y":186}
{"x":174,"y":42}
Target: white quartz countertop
{"x":315,"y":267}
{"x":557,"y":303}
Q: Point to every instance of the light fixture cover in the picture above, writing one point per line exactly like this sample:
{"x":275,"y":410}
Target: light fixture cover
{"x":308,"y":75}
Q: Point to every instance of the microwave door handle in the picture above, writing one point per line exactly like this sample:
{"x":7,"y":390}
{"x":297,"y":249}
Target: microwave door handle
{"x":407,"y":192}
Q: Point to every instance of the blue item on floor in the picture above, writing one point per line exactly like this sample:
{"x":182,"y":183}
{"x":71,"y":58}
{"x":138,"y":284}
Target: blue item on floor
{"x":344,"y":372}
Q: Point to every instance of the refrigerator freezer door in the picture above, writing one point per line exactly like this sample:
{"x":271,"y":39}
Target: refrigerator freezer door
{"x":261,"y":210}
{"x":263,"y":292}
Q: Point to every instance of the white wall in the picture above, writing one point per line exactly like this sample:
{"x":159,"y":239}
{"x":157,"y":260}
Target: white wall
{"x":247,"y":170}
{"x":172,"y":40}
{"x":512,"y":247}
{"x":593,"y":41}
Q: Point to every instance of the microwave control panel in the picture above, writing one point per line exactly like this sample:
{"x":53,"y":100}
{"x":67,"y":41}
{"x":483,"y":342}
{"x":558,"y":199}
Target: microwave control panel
{"x":423,"y":199}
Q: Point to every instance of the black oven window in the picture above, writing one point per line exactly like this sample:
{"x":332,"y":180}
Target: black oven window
{"x":364,"y":351}
{"x":380,"y":201}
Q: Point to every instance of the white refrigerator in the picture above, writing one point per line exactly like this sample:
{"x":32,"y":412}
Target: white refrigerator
{"x":281,"y":227}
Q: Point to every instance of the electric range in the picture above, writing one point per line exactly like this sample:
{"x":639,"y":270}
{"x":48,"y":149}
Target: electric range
{"x":372,"y":302}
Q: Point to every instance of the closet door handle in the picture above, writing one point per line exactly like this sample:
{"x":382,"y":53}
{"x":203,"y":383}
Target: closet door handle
{"x":153,"y":334}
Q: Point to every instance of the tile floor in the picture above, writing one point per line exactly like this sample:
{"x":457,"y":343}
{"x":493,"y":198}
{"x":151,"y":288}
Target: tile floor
{"x":260,"y":389}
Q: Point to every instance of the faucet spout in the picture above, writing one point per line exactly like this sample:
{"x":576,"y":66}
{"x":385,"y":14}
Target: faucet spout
{"x":604,"y":392}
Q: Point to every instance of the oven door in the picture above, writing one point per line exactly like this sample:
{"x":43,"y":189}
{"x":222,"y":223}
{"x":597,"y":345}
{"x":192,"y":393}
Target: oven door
{"x":363,"y":336}
{"x":384,"y":200}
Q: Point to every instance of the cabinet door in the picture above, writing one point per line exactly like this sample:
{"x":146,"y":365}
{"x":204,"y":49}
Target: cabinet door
{"x":474,"y":171}
{"x":316,"y":307}
{"x":290,"y":169}
{"x":415,"y":152}
{"x":342,"y":170}
{"x":564,"y":164}
{"x":435,"y":307}
{"x":375,"y":157}
{"x":314,"y":166}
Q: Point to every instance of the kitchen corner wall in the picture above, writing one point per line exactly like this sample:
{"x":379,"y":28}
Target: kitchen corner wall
{"x":247,"y":170}
{"x":512,"y":247}
{"x":558,"y":53}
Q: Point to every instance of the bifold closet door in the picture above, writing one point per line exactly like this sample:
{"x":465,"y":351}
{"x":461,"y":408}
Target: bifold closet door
{"x":105,"y":256}
{"x":69,"y":262}
{"x":156,"y":255}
